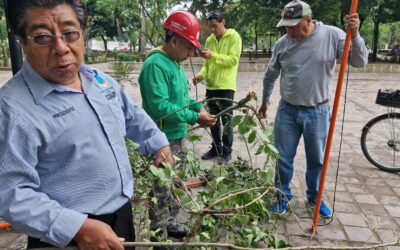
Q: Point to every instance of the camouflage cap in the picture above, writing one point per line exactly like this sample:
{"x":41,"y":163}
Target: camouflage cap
{"x":293,"y":13}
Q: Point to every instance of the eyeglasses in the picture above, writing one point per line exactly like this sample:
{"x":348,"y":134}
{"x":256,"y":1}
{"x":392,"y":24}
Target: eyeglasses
{"x":49,"y":39}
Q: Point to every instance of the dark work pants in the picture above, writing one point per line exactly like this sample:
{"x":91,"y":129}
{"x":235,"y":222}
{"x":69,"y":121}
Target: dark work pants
{"x":221,"y":141}
{"x":121,"y":221}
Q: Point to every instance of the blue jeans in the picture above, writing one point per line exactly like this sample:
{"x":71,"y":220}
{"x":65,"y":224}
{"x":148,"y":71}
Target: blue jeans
{"x":291,"y":122}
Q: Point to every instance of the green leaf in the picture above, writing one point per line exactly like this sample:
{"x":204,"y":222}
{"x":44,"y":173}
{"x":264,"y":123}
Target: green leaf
{"x":272,"y":148}
{"x":185,"y":200}
{"x":193,"y":138}
{"x":243,"y":219}
{"x":179,"y":192}
{"x":250,"y":238}
{"x":253,"y":122}
{"x":260,"y":149}
{"x":265,"y":136}
{"x":236,"y":120}
{"x":260,"y":235}
{"x":252,"y":137}
{"x":205,"y":235}
{"x":243,"y":128}
{"x":271,"y":174}
{"x":247,"y":230}
{"x":219,"y":179}
{"x":158,"y":172}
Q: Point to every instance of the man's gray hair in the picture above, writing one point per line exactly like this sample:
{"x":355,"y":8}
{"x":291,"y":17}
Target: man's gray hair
{"x":16,"y":10}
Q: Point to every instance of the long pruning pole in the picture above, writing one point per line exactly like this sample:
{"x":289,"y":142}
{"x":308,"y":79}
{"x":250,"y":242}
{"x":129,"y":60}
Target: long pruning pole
{"x":4,"y":225}
{"x":339,"y":86}
{"x":194,"y":75}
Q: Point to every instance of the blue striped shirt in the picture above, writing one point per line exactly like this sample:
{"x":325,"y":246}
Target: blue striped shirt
{"x":63,"y":153}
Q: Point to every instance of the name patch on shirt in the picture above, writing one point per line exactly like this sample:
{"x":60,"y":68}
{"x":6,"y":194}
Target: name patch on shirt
{"x":109,"y":93}
{"x":64,"y":112}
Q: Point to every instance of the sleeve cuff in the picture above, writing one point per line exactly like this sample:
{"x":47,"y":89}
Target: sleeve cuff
{"x":65,"y":227}
{"x":265,"y":98}
{"x":357,"y":39}
{"x":154,"y":143}
{"x":194,"y":117}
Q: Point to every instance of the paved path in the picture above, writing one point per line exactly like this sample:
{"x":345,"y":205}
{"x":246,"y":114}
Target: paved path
{"x":367,"y":207}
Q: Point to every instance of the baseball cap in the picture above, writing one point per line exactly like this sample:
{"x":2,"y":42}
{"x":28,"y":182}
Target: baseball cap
{"x":293,"y":13}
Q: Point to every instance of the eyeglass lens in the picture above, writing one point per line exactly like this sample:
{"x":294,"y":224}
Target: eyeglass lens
{"x":48,"y":39}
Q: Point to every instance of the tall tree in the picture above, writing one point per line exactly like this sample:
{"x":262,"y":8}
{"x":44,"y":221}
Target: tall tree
{"x":101,"y":20}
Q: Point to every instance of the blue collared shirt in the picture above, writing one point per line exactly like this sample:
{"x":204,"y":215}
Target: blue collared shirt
{"x":63,"y":153}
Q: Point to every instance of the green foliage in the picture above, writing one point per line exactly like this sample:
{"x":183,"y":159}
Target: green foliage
{"x":101,"y":19}
{"x":235,"y":197}
{"x":140,"y":169}
{"x":242,"y":227}
{"x":122,"y":71}
{"x":126,"y":57}
{"x":133,"y":39}
{"x":389,"y":33}
{"x":255,"y":20}
{"x":95,"y":57}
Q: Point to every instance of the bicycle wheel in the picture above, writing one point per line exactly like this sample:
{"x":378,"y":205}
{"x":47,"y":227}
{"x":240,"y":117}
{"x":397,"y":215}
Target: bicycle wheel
{"x":380,"y":142}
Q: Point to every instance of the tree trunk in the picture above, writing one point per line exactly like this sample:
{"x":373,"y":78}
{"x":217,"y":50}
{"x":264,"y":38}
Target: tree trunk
{"x":105,"y":43}
{"x":142,"y":37}
{"x":391,"y":35}
{"x":377,"y":21}
{"x":256,"y":38}
{"x":118,"y":25}
{"x":160,"y":16}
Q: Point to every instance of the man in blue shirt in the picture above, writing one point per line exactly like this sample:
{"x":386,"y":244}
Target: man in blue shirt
{"x":65,"y":177}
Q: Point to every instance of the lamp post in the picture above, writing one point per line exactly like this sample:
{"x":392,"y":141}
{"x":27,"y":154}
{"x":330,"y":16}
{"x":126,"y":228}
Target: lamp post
{"x":15,"y":48}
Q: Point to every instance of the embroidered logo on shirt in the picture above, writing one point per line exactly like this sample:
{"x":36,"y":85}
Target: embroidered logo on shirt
{"x":64,"y":112}
{"x":101,"y":82}
{"x":109,"y":93}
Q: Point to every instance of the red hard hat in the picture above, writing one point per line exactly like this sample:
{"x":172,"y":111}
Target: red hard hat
{"x":184,"y":24}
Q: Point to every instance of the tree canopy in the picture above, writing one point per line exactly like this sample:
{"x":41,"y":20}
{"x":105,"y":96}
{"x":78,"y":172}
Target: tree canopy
{"x":139,"y":21}
{"x":255,"y":20}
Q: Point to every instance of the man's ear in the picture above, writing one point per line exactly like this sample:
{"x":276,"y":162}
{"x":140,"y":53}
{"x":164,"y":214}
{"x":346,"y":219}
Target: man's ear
{"x":174,"y":41}
{"x":22,"y":41}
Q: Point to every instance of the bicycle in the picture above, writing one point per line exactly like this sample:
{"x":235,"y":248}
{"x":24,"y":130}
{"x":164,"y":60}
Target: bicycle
{"x":380,"y":138}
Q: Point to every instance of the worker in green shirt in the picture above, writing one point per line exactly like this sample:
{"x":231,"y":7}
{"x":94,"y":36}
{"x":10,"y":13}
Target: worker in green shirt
{"x":165,"y":97}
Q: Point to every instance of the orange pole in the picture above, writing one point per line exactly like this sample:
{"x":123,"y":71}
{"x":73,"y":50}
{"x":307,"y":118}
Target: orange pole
{"x":194,"y":184}
{"x":5,"y":225}
{"x":353,"y":10}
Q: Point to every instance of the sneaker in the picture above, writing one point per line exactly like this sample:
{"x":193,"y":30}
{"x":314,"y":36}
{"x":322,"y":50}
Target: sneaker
{"x":280,"y":207}
{"x":224,"y":159}
{"x":324,"y":210}
{"x":210,"y":154}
